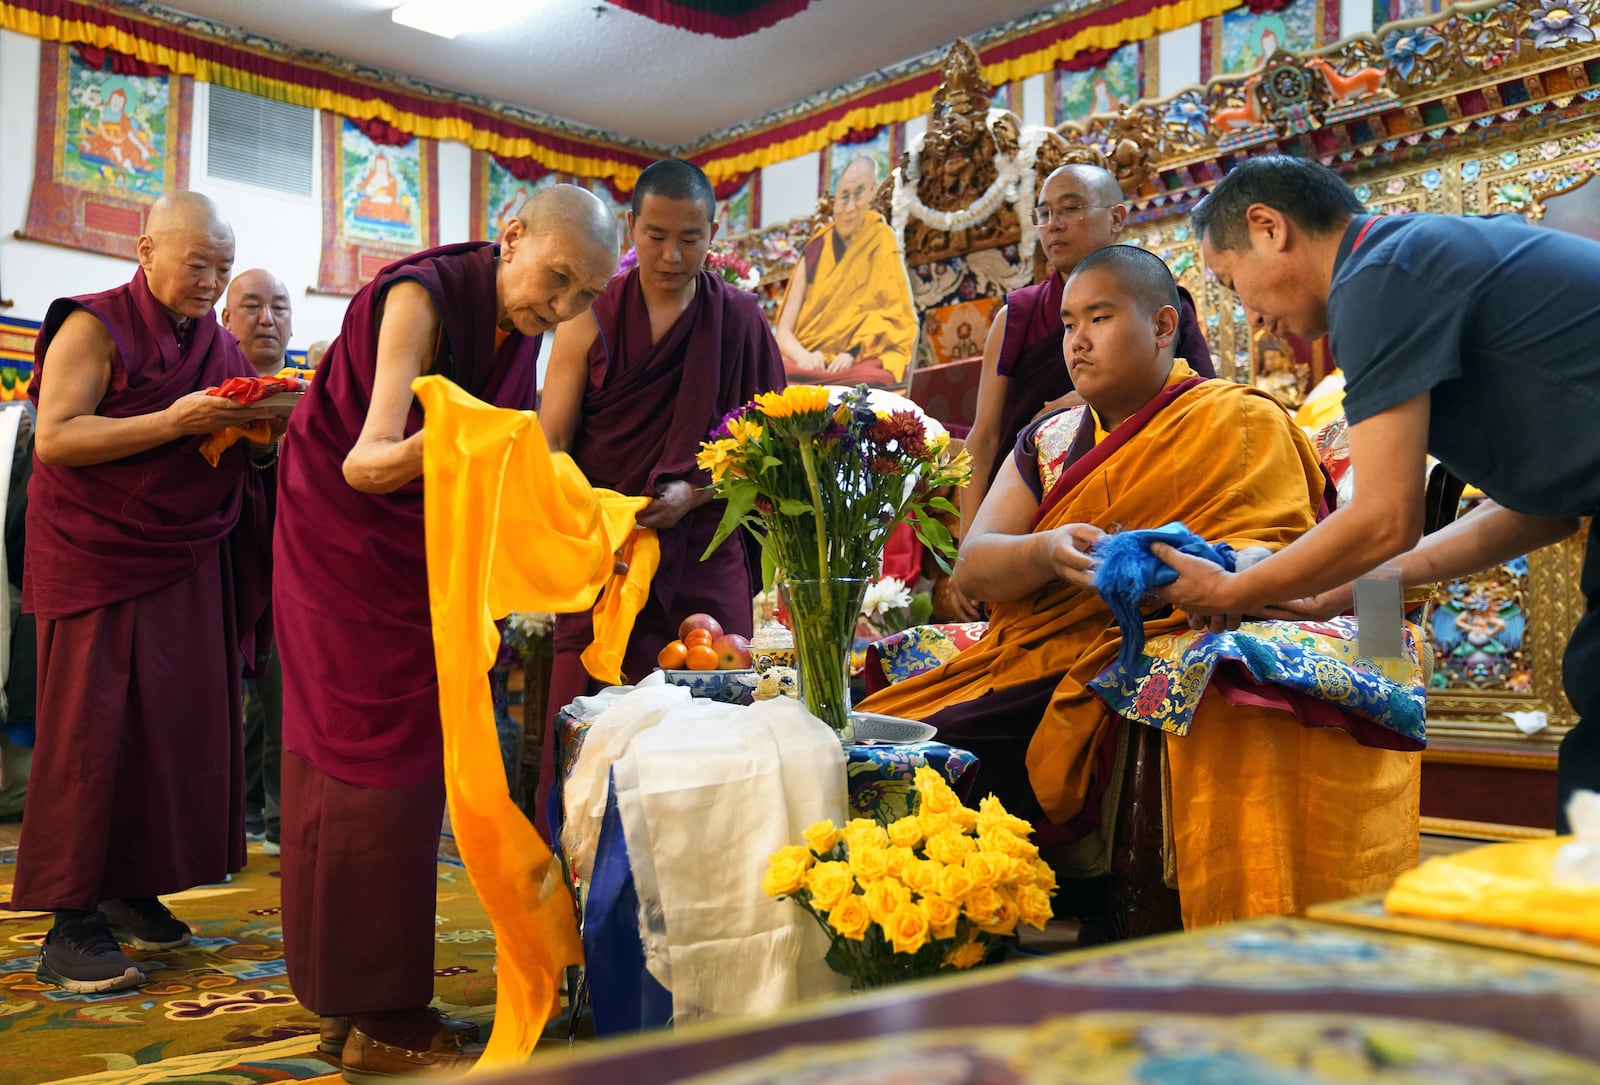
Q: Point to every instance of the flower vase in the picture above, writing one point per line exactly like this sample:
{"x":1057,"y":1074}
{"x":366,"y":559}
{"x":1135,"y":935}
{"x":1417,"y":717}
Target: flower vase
{"x":823,"y":615}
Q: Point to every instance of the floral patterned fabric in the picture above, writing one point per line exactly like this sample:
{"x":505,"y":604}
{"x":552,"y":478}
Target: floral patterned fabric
{"x":912,"y":651}
{"x":1312,"y":659}
{"x":880,"y":776}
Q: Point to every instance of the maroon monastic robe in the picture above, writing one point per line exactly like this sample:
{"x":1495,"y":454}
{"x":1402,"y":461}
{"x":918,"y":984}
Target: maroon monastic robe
{"x":1031,"y":356}
{"x":363,"y":770}
{"x":350,"y":598}
{"x":646,"y":409}
{"x":142,"y":571}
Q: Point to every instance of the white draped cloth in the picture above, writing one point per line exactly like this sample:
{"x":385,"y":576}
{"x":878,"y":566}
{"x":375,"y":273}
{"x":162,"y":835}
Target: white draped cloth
{"x":707,"y":792}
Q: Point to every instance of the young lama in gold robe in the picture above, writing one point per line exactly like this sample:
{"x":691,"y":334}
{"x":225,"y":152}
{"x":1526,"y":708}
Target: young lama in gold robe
{"x":1267,"y":815}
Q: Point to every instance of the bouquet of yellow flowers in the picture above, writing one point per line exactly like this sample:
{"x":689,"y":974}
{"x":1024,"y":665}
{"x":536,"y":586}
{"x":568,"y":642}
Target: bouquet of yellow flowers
{"x":823,"y":478}
{"x":935,"y":890}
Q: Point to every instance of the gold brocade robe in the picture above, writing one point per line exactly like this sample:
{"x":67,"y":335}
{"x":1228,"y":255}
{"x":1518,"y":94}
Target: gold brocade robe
{"x":860,"y":303}
{"x":1268,"y":815}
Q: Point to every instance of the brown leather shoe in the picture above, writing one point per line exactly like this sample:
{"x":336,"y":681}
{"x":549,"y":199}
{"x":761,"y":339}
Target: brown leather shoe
{"x":368,"y":1060}
{"x":336,"y":1031}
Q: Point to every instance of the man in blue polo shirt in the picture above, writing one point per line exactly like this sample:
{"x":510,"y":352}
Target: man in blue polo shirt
{"x":1468,"y":338}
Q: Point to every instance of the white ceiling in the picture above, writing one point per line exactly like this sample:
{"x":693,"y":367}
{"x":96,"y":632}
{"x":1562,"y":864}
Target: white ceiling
{"x":611,"y":70}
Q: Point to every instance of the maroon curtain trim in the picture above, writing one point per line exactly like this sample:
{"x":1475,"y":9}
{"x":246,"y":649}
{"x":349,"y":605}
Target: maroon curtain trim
{"x":860,"y":135}
{"x":1262,"y":7}
{"x":756,"y":15}
{"x":121,"y":63}
{"x":381,"y":132}
{"x":1085,"y":61}
{"x":523,"y":169}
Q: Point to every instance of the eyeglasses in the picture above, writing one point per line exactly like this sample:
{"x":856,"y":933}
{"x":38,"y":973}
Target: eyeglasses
{"x":1044,"y":213}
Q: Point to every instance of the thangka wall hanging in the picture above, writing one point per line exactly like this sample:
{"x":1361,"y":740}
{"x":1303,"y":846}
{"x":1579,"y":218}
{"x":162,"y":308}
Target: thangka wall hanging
{"x":739,"y":211}
{"x":1117,"y":81}
{"x":380,"y":200}
{"x":499,"y":188}
{"x":1241,"y":40}
{"x":17,"y":339}
{"x":113,"y":136}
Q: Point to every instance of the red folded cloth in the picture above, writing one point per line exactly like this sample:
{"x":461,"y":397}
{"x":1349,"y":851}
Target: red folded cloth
{"x":246,"y":390}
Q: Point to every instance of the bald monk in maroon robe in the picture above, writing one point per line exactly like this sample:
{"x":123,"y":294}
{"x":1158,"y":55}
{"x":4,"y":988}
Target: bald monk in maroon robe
{"x":1024,"y":373}
{"x":633,"y":389}
{"x":139,"y":568}
{"x":362,"y":774}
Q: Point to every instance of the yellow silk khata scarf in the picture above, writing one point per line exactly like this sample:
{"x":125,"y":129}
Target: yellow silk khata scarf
{"x":861,"y":303}
{"x":511,"y":526}
{"x":1501,"y":885}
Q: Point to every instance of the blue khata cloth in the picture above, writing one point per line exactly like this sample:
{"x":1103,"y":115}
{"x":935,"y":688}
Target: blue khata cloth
{"x":1126,"y":571}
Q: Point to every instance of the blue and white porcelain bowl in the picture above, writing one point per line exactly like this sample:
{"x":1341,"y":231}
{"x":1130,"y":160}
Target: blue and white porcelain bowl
{"x":730,"y":687}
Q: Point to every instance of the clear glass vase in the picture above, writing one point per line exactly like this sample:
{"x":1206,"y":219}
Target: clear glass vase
{"x":823,"y":615}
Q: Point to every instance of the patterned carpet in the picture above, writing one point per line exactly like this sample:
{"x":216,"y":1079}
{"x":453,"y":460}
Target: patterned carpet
{"x":218,"y":1011}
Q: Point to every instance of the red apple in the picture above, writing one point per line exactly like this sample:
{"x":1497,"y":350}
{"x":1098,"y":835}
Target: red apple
{"x":699,"y":621}
{"x":733,"y":652}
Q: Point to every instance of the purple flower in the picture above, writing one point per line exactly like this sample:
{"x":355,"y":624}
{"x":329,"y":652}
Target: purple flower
{"x":629,"y":261}
{"x":721,"y":432}
{"x":1557,"y":22}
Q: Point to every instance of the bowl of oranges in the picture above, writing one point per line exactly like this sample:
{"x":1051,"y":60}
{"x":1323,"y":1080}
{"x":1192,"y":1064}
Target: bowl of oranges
{"x":708,"y":661}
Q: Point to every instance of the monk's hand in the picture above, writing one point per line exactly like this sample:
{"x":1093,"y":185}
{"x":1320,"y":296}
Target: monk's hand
{"x":1071,"y":399}
{"x":1069,"y":548}
{"x":951,"y":604}
{"x":673,"y":501}
{"x":1204,"y":590}
{"x":199,"y":412}
{"x":1314,"y":608}
{"x":840,"y":362}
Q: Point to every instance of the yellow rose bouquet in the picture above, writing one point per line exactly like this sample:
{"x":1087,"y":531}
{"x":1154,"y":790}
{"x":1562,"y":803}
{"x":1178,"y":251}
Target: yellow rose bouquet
{"x":936,"y":890}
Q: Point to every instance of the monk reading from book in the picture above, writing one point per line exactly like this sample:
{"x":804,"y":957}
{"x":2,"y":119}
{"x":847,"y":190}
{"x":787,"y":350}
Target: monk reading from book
{"x":1268,"y":815}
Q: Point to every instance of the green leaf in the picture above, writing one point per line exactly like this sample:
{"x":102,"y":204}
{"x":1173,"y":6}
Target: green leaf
{"x":921,"y":609}
{"x":741,"y":499}
{"x":769,"y":563}
{"x":791,"y":506}
{"x":942,"y":504}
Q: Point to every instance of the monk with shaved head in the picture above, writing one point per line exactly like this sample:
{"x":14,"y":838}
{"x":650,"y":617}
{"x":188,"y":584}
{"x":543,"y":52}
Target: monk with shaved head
{"x":257,"y":312}
{"x":138,"y":569}
{"x":1079,"y":210}
{"x":362,"y":773}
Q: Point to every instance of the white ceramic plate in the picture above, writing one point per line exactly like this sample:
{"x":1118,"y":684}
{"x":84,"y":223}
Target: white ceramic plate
{"x":874,"y":727}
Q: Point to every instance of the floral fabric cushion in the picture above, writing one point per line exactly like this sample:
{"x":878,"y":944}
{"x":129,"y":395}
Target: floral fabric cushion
{"x":912,"y":651}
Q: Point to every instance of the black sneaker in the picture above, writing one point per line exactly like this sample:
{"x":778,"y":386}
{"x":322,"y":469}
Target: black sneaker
{"x":145,"y":923}
{"x":81,"y":956}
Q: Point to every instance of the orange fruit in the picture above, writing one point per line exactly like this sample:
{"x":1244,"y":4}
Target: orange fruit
{"x":702,"y":657}
{"x":672,"y":657}
{"x":697,"y":636}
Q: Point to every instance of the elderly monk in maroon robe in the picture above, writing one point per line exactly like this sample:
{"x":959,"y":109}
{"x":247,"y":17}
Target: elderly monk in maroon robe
{"x":140,"y":580}
{"x":632,"y":390}
{"x":363,"y":774}
{"x":1080,"y":210}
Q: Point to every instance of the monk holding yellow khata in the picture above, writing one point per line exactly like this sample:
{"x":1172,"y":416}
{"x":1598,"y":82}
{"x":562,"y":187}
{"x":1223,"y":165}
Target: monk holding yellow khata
{"x":1292,"y":780}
